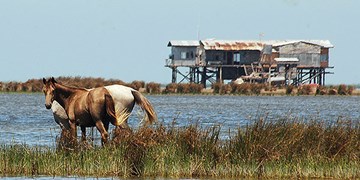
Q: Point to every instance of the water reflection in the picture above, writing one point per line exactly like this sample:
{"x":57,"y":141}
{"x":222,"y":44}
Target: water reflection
{"x":24,"y":119}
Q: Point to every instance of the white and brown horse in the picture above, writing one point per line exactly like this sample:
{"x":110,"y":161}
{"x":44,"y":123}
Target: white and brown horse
{"x":94,"y":107}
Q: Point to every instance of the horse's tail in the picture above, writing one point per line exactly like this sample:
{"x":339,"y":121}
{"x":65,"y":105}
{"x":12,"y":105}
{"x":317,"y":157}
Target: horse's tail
{"x":116,"y":117}
{"x":143,"y":102}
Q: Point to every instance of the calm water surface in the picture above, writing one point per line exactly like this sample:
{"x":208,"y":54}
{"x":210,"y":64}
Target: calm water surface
{"x":24,"y":118}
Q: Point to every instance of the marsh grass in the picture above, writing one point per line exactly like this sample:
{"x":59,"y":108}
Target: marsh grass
{"x":287,"y":148}
{"x":35,"y":85}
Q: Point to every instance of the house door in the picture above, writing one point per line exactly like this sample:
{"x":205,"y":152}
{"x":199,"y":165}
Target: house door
{"x":229,"y":58}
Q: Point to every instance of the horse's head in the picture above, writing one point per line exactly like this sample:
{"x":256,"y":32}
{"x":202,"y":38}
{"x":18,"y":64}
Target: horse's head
{"x":48,"y":89}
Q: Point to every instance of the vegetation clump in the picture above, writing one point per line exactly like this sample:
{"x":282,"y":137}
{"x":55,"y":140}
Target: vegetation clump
{"x":153,"y":88}
{"x":345,"y":90}
{"x":287,"y":148}
{"x":186,"y":88}
{"x":239,"y":89}
{"x":35,"y":85}
{"x":171,"y":88}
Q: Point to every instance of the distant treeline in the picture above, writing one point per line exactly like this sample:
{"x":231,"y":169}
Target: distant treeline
{"x":35,"y":85}
{"x":306,"y":89}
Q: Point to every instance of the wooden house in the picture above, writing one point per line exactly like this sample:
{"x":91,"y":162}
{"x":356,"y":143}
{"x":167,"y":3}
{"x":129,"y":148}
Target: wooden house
{"x":255,"y":61}
{"x":313,"y":56}
{"x":310,"y":53}
{"x":183,"y":53}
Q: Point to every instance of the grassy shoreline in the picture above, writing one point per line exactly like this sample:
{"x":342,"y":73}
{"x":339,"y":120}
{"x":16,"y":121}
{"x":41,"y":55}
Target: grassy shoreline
{"x":283,"y":149}
{"x":210,"y":92}
{"x":35,"y":85}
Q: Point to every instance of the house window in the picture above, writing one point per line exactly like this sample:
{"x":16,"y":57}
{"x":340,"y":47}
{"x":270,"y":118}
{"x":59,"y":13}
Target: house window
{"x":236,"y":57}
{"x":183,"y":55}
{"x":324,"y":57}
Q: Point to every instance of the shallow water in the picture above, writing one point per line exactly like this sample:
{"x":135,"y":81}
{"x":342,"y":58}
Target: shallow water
{"x":25,"y":120}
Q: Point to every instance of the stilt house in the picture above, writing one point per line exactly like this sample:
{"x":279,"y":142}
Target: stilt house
{"x":290,"y":62}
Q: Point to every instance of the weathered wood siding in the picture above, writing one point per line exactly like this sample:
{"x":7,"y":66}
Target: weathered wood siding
{"x":227,"y":57}
{"x":212,"y":56}
{"x":190,"y":51}
{"x":324,"y":57}
{"x":249,"y":56}
{"x":183,"y":56}
{"x":308,"y":54}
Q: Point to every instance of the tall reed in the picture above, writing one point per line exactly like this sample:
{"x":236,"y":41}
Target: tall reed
{"x":286,"y":148}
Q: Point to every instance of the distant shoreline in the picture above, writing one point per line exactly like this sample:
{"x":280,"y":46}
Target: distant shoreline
{"x":209,"y":92}
{"x":35,"y":86}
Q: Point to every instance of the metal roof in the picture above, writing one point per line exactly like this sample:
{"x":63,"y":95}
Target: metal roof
{"x":183,"y":43}
{"x":322,"y":43}
{"x":235,"y":45}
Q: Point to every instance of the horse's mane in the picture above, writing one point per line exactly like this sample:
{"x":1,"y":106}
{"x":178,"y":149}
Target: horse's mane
{"x":72,"y":87}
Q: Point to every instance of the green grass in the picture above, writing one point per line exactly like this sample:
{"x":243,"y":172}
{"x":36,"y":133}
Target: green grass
{"x":282,"y":149}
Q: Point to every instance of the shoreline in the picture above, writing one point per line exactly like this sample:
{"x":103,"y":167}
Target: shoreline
{"x":35,"y":85}
{"x":210,"y":92}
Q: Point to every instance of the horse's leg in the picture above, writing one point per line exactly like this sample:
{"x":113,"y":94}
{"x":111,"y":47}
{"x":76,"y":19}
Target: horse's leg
{"x":106,"y":125}
{"x":83,"y":133}
{"x":73,"y":132}
{"x":97,"y":108}
{"x":104,"y":134}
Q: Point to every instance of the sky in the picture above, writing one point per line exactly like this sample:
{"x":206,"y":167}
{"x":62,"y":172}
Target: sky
{"x":127,"y":39}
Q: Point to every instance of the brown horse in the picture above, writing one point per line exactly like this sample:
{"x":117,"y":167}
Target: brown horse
{"x":96,"y":107}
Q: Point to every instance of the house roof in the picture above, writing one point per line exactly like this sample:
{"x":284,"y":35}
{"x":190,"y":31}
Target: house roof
{"x":235,"y":45}
{"x":322,"y":43}
{"x":183,"y":43}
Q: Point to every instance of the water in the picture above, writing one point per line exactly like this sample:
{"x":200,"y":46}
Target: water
{"x":25,"y":120}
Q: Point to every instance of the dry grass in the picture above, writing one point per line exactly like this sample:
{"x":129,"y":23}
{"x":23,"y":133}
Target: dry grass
{"x":170,"y":88}
{"x":153,"y":88}
{"x":187,"y":88}
{"x":286,"y":148}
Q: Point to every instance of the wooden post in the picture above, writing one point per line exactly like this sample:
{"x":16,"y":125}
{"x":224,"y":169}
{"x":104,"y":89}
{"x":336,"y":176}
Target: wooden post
{"x":220,"y":75}
{"x":191,"y":73}
{"x":174,"y":73}
{"x":197,"y":75}
{"x":320,"y":77}
{"x":203,"y":77}
{"x":245,"y":70}
{"x":323,"y":78}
